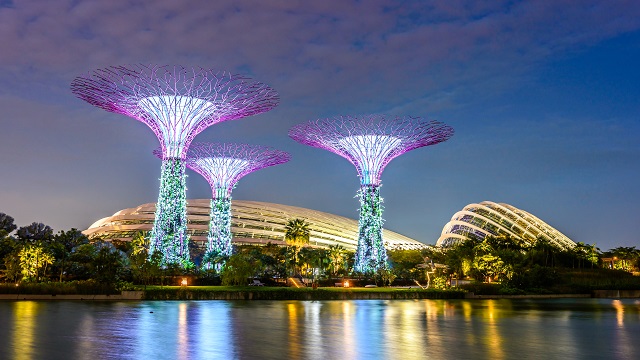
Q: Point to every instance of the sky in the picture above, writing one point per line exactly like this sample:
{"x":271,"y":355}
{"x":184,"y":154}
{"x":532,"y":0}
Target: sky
{"x":544,"y":97}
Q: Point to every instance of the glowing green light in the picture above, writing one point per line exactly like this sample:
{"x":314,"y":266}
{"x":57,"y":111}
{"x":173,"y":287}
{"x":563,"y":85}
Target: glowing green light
{"x":169,"y":234}
{"x":371,"y":254}
{"x":219,"y":238}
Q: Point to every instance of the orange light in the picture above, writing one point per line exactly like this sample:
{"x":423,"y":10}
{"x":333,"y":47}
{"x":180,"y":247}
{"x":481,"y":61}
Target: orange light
{"x":346,"y":283}
{"x":183,"y":282}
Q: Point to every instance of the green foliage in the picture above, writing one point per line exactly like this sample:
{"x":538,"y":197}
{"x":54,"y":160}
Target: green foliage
{"x":85,"y":287}
{"x":371,"y":254}
{"x":385,"y":277}
{"x":337,"y":259}
{"x":439,"y":282}
{"x":296,"y":235}
{"x":6,"y":224}
{"x":297,"y":232}
{"x":36,"y":232}
{"x":108,"y":263}
{"x":404,"y":263}
{"x":62,"y":245}
{"x":219,"y":246}
{"x":169,"y":234}
{"x":13,"y":270}
{"x":536,"y":277}
{"x":238,"y":270}
{"x":34,"y":260}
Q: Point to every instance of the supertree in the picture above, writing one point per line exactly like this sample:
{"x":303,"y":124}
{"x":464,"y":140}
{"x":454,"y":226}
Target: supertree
{"x":177,"y":103}
{"x":370,"y":142}
{"x":223,"y":165}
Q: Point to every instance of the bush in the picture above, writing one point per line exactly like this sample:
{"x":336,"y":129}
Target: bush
{"x":535,"y":277}
{"x":82,"y":287}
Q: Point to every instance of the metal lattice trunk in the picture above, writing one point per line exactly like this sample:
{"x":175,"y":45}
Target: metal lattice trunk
{"x":370,"y":142}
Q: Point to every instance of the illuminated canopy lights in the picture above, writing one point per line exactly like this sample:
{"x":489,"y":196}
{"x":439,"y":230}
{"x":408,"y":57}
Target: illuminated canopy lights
{"x":369,"y":151}
{"x":370,"y":142}
{"x":177,"y":117}
{"x":177,"y":103}
{"x":223,"y":165}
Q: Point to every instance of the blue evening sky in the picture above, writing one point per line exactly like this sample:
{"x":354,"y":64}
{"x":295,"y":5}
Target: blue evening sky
{"x":543,"y":96}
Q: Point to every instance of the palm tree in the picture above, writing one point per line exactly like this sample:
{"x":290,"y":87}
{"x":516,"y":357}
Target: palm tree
{"x":337,"y":257}
{"x":296,"y":235}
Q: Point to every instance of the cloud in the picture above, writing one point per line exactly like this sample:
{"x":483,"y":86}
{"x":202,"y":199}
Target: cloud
{"x":340,"y":50}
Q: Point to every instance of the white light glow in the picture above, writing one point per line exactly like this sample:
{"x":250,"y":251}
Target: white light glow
{"x":176,"y":117}
{"x":369,"y":153}
{"x":221,"y":172}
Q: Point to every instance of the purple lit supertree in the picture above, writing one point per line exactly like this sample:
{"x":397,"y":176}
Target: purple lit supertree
{"x":370,"y":142}
{"x":177,"y":103}
{"x":223,"y":165}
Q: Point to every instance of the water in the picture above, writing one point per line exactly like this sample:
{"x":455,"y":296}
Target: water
{"x":367,"y":329}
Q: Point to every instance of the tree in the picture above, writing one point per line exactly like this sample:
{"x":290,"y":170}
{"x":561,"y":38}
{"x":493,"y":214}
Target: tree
{"x":36,"y":232}
{"x":404,"y":263}
{"x":8,"y":245}
{"x":624,"y":257}
{"x":238,"y":270}
{"x":33,"y":258}
{"x":6,"y":224}
{"x":459,"y":257}
{"x":62,"y":245}
{"x":13,"y":270}
{"x":81,"y":261}
{"x":108,"y":263}
{"x":296,"y":235}
{"x":337,"y":258}
{"x":488,"y":263}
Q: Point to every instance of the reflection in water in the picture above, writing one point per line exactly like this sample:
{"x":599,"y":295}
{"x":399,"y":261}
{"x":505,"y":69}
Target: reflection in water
{"x":24,"y":327}
{"x":617,"y":304}
{"x":183,"y":332}
{"x":623,"y":343}
{"x":349,"y":333}
{"x":294,"y":336}
{"x":493,"y":339}
{"x":363,"y":329}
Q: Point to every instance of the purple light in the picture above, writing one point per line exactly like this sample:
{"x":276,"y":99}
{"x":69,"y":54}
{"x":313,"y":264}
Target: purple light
{"x":177,"y":103}
{"x":223,"y":165}
{"x":370,"y":142}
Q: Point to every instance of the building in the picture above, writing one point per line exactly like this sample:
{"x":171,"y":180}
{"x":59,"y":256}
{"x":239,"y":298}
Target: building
{"x":252,"y":222}
{"x":497,"y":219}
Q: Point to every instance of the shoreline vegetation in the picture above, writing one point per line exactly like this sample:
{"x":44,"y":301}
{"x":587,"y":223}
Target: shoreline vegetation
{"x":35,"y":262}
{"x":281,"y":293}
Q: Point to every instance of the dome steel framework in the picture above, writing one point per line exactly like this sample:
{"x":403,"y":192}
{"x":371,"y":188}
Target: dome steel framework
{"x":252,"y":223}
{"x":498,"y":219}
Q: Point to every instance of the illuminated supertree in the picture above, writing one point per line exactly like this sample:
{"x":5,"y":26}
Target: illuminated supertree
{"x":370,"y":142}
{"x":223,"y":165}
{"x":177,"y":103}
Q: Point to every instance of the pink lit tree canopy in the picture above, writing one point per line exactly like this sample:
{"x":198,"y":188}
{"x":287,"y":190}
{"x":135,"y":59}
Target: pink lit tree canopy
{"x":370,"y":142}
{"x":177,"y":103}
{"x":223,"y":165}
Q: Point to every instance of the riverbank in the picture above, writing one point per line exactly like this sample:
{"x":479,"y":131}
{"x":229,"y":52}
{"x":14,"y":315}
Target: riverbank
{"x":281,"y":293}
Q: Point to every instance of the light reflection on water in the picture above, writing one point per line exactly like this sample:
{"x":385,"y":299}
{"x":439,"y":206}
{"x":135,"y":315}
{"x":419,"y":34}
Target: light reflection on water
{"x":367,"y":329}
